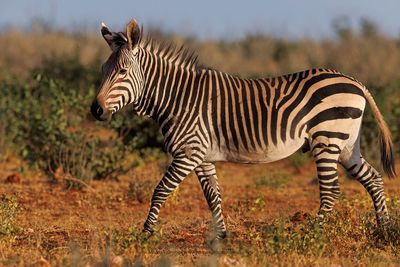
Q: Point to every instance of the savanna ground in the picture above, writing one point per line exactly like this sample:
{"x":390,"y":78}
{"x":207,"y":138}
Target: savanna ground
{"x":269,"y":210}
{"x":75,"y":192}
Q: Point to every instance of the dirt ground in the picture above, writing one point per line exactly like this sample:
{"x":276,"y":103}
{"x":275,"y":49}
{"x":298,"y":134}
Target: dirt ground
{"x":100,"y":224}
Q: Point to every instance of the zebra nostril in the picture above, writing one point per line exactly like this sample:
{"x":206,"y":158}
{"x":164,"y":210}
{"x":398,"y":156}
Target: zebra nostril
{"x":99,"y":111}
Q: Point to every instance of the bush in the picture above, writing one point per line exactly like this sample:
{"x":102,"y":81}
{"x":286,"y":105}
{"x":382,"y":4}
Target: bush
{"x":72,"y":70}
{"x":137,"y":132}
{"x":45,"y":122}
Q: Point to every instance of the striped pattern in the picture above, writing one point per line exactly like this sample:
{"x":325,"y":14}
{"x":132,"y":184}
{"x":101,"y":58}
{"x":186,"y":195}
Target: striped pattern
{"x":122,"y":82}
{"x":207,"y":116}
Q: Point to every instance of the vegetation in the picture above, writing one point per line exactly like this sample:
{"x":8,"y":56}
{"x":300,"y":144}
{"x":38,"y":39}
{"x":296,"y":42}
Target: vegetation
{"x":47,"y":134}
{"x":273,"y":180}
{"x":9,"y":209}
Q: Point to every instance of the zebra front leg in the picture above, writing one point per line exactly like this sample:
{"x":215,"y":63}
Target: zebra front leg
{"x":209,"y":183}
{"x":176,"y":172}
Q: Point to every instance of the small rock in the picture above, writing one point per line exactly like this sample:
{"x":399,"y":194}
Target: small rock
{"x":42,"y":263}
{"x":299,"y":216}
{"x":117,"y":261}
{"x":14,"y":178}
{"x":231,"y":261}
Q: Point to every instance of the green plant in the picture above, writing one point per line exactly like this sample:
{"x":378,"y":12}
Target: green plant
{"x":299,"y":159}
{"x":307,"y":238}
{"x":45,"y":122}
{"x":12,"y":113}
{"x":134,"y":239}
{"x":140,"y":190}
{"x":258,"y":204}
{"x":272,"y":180}
{"x":136,"y":132}
{"x":387,"y":236}
{"x":9,"y":209}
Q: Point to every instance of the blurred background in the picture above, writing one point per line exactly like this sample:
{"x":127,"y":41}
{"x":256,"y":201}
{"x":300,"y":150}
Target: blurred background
{"x":51,"y":53}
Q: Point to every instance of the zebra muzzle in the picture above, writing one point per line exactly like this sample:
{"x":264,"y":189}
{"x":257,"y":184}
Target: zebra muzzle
{"x":99,"y":112}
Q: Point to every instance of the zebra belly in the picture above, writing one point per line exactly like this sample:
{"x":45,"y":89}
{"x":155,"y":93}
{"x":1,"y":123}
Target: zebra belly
{"x":269,"y":154}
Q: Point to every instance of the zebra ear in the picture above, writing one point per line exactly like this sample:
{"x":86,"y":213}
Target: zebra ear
{"x":114,"y":40}
{"x":132,"y":33}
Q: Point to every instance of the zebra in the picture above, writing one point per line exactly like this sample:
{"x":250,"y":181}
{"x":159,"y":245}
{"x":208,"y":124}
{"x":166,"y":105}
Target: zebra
{"x":207,"y":116}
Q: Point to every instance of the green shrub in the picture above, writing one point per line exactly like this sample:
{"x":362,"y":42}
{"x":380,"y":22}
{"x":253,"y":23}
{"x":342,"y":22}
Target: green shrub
{"x":13,"y":110}
{"x":69,"y":68}
{"x":135,"y":131}
{"x":46,"y":122}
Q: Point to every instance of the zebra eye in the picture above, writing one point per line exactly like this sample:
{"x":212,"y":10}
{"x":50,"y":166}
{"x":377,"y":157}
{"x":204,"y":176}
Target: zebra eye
{"x":123,"y":71}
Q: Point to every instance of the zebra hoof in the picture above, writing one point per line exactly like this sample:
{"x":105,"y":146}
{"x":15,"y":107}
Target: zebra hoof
{"x":383,"y":232}
{"x":147,"y":233}
{"x":383,"y":220}
{"x":322,"y":217}
{"x":216,"y":243}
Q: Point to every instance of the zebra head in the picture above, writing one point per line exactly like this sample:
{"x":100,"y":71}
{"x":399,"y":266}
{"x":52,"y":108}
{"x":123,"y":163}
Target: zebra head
{"x":122,"y":76}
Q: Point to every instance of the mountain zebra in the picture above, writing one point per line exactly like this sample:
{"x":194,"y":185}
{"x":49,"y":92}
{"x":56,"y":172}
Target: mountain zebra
{"x":206,"y":116}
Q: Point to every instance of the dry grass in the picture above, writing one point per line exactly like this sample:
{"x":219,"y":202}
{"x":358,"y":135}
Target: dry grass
{"x":22,"y":52}
{"x":267,"y":224}
{"x":372,"y":58}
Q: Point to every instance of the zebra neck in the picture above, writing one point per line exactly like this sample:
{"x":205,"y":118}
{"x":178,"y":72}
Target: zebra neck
{"x":166,"y":91}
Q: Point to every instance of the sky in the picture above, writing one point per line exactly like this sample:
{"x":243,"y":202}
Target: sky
{"x":205,"y":19}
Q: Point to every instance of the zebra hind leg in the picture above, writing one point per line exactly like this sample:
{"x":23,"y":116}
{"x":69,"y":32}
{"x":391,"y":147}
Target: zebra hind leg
{"x":207,"y":176}
{"x":326,"y":158}
{"x":372,"y":181}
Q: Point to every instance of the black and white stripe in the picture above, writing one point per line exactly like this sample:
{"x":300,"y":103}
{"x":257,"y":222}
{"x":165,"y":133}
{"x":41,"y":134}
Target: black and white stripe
{"x":207,"y":116}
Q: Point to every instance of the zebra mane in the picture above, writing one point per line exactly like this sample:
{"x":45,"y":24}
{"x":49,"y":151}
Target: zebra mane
{"x":178,"y":55}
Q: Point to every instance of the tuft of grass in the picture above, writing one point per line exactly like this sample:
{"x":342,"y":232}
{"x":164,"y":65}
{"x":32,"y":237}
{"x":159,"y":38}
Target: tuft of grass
{"x":272,"y":180}
{"x":9,"y":209}
{"x":281,"y":237}
{"x":284,"y":237}
{"x":299,"y":159}
{"x":140,"y":190}
{"x":134,"y":239}
{"x":388,"y":236}
{"x":258,"y":204}
{"x":337,"y":234}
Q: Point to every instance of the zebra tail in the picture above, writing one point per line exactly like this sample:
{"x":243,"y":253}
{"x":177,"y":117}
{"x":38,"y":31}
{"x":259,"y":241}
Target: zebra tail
{"x":385,"y":138}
